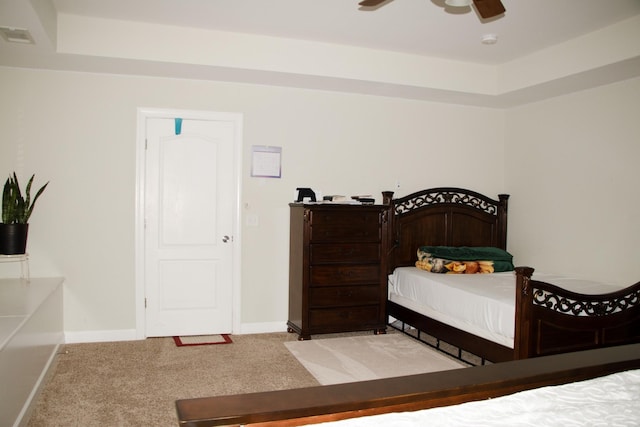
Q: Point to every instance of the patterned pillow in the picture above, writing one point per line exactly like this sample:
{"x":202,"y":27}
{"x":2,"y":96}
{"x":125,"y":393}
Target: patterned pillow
{"x":463,"y":259}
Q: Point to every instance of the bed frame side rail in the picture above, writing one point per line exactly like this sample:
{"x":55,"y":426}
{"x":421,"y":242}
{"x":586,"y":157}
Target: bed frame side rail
{"x":464,"y":341}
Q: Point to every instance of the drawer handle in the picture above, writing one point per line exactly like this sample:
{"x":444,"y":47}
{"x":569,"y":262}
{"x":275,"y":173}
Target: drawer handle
{"x":347,"y":294}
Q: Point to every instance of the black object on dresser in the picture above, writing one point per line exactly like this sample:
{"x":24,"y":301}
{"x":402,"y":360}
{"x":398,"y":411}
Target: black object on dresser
{"x":338,"y":268}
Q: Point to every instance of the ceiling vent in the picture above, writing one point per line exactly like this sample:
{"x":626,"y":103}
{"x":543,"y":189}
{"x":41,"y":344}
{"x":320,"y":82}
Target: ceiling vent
{"x":16,"y":35}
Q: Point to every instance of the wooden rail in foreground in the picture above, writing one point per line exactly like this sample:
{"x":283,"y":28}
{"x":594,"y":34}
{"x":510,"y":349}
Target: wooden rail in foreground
{"x":328,"y":403}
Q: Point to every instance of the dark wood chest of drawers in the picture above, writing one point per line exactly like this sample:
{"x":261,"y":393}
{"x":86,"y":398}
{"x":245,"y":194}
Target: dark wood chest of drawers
{"x":338,"y":271}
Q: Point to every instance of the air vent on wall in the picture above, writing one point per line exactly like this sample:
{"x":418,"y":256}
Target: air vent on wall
{"x":16,"y":35}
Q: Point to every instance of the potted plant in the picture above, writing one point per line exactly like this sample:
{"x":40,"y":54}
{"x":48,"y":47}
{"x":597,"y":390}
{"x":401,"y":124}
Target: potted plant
{"x":16,"y":211}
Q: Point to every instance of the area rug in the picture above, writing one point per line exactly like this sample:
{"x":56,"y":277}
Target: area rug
{"x":185,"y":341}
{"x":368,"y":357}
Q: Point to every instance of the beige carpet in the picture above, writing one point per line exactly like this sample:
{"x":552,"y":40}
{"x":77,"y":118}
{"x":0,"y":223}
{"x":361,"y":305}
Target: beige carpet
{"x":368,"y":357}
{"x":136,"y":383}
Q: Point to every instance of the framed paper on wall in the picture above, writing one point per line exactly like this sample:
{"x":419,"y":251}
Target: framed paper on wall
{"x":266,"y":162}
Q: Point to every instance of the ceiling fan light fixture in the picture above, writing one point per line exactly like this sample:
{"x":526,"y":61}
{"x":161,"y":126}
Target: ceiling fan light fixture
{"x":458,"y":3}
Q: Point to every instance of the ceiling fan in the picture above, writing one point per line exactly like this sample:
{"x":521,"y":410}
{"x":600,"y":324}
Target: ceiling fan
{"x":486,"y":8}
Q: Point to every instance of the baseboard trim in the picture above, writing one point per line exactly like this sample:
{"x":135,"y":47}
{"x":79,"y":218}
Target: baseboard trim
{"x":263,"y":327}
{"x":75,"y":337}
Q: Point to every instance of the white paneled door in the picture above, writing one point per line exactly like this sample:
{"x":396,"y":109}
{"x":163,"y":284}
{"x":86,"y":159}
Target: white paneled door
{"x":188,"y":232}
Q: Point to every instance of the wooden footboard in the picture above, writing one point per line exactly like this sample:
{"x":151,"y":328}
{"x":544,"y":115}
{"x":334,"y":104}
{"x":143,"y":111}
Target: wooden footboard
{"x":552,"y":320}
{"x":329,"y":403}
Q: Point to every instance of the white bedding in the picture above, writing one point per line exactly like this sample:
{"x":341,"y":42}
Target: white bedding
{"x":481,"y":304}
{"x":613,"y":400}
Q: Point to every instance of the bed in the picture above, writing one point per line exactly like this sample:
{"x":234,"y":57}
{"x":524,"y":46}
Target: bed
{"x":546,"y":314}
{"x":573,"y":336}
{"x":449,"y":390}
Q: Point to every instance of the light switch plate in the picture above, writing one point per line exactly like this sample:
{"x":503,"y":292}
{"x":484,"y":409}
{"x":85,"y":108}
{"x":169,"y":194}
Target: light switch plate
{"x":252,"y":220}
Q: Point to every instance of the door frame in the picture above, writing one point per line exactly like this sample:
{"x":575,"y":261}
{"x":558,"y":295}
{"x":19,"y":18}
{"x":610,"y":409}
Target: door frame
{"x":142,"y":115}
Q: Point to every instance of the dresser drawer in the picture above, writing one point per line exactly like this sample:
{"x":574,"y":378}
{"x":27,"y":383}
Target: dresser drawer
{"x":361,"y":226}
{"x":344,"y":318}
{"x":347,"y":252}
{"x":337,"y":268}
{"x":338,"y":275}
{"x":340,"y":296}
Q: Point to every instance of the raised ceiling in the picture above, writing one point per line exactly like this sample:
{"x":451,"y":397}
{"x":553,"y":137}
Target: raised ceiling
{"x":408,"y":48}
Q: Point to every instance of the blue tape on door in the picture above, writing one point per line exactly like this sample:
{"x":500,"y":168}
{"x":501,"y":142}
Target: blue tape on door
{"x":178,"y":126}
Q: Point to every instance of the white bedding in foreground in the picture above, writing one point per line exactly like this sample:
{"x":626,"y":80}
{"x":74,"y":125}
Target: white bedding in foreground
{"x":613,"y":400}
{"x":481,"y":304}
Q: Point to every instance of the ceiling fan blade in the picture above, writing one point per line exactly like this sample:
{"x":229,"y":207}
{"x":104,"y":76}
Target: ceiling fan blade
{"x":489,"y":8}
{"x":371,"y":3}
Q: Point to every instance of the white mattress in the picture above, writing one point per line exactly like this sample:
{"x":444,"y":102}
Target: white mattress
{"x":612,"y":400}
{"x":481,"y":304}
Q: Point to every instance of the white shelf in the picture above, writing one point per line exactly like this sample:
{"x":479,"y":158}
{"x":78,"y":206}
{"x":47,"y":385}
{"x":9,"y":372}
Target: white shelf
{"x":23,"y":259}
{"x":31,"y":329}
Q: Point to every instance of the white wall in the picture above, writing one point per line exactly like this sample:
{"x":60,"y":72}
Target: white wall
{"x":572,"y":170}
{"x":78,"y":130}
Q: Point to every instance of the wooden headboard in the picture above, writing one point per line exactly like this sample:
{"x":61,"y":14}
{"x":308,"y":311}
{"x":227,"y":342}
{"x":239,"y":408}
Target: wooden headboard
{"x":445,"y":216}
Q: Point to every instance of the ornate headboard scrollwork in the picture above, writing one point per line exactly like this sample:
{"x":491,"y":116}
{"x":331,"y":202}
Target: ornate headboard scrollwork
{"x":454,"y":196}
{"x":445,"y":216}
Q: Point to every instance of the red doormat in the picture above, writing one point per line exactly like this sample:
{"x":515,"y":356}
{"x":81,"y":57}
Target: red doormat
{"x":186,"y":341}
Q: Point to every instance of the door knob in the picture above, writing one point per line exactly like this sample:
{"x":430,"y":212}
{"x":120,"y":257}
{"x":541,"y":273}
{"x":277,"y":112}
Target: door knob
{"x":225,"y":239}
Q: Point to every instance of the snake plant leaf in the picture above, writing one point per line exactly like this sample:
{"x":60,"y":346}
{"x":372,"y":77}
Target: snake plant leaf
{"x":33,"y":203}
{"x":19,"y":207}
{"x":28,"y":192}
{"x":8,"y":202}
{"x":15,"y":209}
